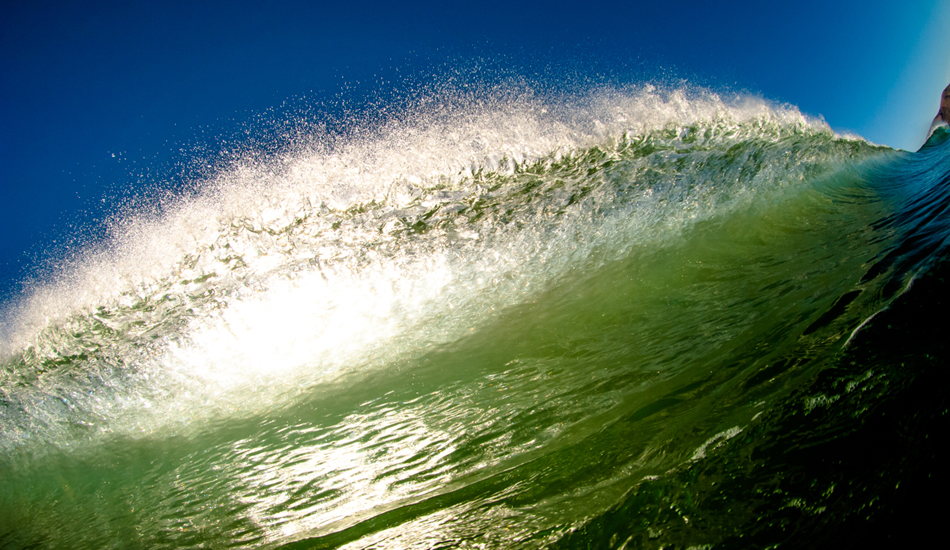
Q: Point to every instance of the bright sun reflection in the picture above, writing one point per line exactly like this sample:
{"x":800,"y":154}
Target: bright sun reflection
{"x":302,"y":331}
{"x":366,"y":463}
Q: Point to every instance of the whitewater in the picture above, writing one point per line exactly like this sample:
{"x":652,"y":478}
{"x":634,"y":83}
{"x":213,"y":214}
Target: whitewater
{"x":505,"y":320}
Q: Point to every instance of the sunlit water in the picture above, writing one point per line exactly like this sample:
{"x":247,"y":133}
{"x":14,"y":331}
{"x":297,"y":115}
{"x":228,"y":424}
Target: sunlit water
{"x":492,"y":324}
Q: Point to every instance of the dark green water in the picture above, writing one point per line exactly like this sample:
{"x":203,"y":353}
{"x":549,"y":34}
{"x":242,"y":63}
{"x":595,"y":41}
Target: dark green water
{"x":641,"y":325}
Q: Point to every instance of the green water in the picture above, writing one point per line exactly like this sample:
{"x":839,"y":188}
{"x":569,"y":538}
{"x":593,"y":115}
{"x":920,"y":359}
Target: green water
{"x":623,"y":318}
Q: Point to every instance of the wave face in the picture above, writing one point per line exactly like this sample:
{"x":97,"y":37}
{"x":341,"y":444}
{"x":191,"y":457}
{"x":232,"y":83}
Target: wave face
{"x":502,"y":323}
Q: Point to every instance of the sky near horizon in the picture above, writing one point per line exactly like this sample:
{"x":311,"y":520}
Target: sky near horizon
{"x":95,"y":97}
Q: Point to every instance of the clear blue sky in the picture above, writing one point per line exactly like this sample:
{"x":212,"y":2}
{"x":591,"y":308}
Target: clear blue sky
{"x":81,"y":82}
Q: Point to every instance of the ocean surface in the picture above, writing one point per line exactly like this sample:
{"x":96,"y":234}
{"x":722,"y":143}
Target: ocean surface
{"x":641,"y":318}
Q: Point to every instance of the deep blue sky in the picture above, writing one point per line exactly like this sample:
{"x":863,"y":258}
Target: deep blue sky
{"x":97,"y":98}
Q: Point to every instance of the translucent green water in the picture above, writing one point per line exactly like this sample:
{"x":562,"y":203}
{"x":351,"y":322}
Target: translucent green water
{"x":543,"y":347}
